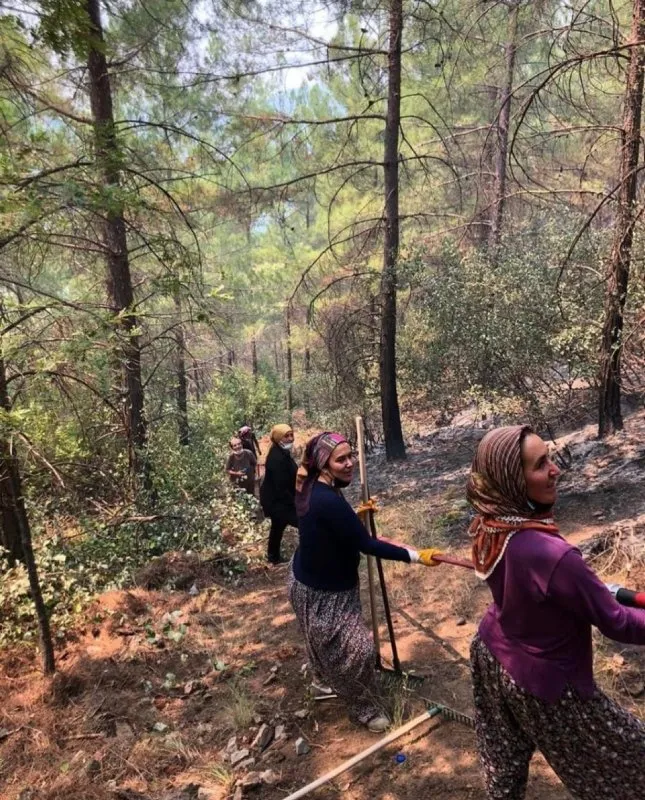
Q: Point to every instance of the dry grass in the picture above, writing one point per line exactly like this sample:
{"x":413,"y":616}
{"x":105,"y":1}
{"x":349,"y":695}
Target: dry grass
{"x":464,"y":596}
{"x":221,"y":774}
{"x":240,"y":708}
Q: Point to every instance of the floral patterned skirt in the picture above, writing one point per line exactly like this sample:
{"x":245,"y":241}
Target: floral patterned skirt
{"x":339,"y":646}
{"x":595,"y":747}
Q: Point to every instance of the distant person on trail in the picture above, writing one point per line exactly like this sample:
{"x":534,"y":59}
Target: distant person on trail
{"x":278,"y":489}
{"x":240,"y":466}
{"x":249,"y":440}
{"x":532,"y":660}
{"x":324,"y":587}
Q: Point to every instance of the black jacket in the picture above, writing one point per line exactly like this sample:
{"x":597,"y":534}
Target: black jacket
{"x":278,"y":490}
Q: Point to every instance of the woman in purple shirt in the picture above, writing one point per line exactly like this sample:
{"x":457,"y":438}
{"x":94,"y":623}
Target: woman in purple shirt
{"x":532,"y":660}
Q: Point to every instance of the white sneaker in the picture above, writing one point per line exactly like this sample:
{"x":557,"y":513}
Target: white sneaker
{"x":378,"y":724}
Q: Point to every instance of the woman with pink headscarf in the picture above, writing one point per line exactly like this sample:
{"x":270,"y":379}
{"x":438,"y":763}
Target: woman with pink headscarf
{"x":324,"y":588}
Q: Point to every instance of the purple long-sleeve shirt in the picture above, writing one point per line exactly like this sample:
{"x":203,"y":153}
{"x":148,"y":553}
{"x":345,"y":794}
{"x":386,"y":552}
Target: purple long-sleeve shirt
{"x":545,"y":601}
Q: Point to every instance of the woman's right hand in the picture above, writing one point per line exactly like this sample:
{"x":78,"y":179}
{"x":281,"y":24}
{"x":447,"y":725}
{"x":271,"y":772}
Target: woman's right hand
{"x":426,"y":557}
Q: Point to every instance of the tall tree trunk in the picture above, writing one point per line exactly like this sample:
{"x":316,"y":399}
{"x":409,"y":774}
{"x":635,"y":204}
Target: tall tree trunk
{"x":12,"y":495}
{"x":307,"y":361}
{"x":393,"y":434}
{"x":254,"y":358}
{"x":610,"y":416}
{"x":119,"y":281}
{"x":503,"y":124}
{"x":287,"y":322}
{"x":180,"y":374}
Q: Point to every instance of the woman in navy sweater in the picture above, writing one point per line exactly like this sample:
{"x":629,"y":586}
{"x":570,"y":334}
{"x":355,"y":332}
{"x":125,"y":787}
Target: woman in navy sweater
{"x":324,"y":589}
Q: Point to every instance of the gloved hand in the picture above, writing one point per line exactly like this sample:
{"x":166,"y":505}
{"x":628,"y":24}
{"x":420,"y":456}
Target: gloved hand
{"x":426,"y":556}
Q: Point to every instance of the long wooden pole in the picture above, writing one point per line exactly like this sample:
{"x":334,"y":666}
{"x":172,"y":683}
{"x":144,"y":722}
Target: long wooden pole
{"x":328,"y":776}
{"x":365,"y":496}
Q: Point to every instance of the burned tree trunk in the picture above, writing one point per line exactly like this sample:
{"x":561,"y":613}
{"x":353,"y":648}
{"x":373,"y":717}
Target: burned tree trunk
{"x":610,"y":416}
{"x":14,"y":509}
{"x":393,"y":433}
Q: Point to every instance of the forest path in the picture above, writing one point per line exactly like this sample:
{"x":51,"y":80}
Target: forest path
{"x":157,"y":683}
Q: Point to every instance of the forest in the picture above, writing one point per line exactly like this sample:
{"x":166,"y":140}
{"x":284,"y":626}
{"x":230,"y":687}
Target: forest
{"x":216,"y":213}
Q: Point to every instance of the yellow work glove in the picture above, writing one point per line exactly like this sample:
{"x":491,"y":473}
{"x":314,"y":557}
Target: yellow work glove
{"x":426,"y":557}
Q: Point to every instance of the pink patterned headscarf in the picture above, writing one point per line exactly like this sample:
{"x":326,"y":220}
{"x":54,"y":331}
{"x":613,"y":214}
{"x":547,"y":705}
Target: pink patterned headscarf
{"x":317,"y":453}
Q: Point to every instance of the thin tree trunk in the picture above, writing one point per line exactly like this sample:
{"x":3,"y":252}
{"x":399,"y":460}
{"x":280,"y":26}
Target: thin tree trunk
{"x":119,"y":281}
{"x":180,"y":372}
{"x":287,"y":322}
{"x":12,"y":492}
{"x":307,"y":361}
{"x":197,"y":381}
{"x":254,"y":358}
{"x":393,"y":434}
{"x":482,"y":221}
{"x":503,"y":124}
{"x":609,"y":411}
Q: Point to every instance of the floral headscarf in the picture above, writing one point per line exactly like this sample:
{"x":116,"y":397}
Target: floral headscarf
{"x":497,"y":491}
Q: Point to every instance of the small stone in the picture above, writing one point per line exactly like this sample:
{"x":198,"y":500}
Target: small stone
{"x":160,"y":727}
{"x":238,"y":756}
{"x":247,"y":763}
{"x":193,"y":591}
{"x":250,"y":780}
{"x":208,"y":793}
{"x":275,"y":668}
{"x":231,"y":745}
{"x":461,"y":621}
{"x":302,"y":713}
{"x":280,"y":732}
{"x":302,"y":748}
{"x":238,"y":793}
{"x":257,"y":719}
{"x":303,"y":669}
{"x":263,"y":738}
{"x":269,"y":777}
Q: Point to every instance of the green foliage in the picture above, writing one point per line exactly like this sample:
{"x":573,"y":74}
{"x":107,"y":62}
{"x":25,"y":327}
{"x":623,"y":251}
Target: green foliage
{"x":238,"y":398}
{"x":499,"y":330}
{"x":95,"y":555}
{"x":65,"y":27}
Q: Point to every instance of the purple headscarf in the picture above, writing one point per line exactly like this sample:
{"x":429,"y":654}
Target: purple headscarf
{"x":316,"y":456}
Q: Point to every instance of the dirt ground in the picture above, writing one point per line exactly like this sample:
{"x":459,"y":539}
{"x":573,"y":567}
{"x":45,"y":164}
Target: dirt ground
{"x":156,"y":684}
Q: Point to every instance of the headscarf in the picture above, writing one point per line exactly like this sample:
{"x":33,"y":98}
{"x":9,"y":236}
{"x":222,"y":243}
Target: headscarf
{"x":278,"y":432}
{"x":497,"y":491}
{"x":244,"y":430}
{"x":317,"y":453}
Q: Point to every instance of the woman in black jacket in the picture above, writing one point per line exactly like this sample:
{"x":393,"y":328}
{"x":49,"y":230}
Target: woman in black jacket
{"x":278,"y":490}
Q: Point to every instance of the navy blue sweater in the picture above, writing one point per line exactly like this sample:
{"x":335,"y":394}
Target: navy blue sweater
{"x":332,"y":538}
